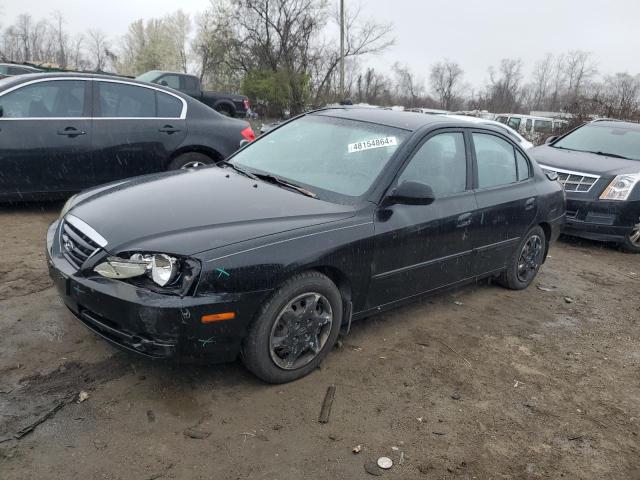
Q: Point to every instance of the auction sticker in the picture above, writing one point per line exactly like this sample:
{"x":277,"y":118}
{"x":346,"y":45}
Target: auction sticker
{"x":373,"y":143}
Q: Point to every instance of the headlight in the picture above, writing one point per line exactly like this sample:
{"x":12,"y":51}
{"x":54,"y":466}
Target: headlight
{"x":621,"y":187}
{"x":159,"y":267}
{"x":67,"y":206}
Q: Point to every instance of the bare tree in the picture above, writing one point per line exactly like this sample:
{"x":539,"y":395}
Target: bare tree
{"x":62,"y":40}
{"x":504,"y":90}
{"x":445,"y":79}
{"x":580,"y":68}
{"x":98,"y":48}
{"x":179,"y":27}
{"x":408,"y":88}
{"x":541,"y":81}
{"x":362,"y":37}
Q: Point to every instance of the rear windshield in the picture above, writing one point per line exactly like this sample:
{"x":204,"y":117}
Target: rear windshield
{"x":331,"y":154}
{"x":605,"y":139}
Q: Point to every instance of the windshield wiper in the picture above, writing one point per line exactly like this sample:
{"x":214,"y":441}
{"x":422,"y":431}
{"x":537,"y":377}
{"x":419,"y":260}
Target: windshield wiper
{"x":612,"y":155}
{"x":238,"y":169}
{"x":277,"y":180}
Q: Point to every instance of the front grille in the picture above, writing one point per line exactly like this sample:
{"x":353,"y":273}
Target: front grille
{"x":76,"y":246}
{"x":574,"y":181}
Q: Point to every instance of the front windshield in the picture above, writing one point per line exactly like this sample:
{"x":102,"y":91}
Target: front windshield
{"x":320,"y":152}
{"x":606,"y":139}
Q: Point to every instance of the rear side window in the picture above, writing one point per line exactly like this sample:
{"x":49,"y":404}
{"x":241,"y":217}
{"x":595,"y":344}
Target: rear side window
{"x":496,"y":161}
{"x":118,"y":100}
{"x":524,"y":170}
{"x":502,"y":120}
{"x":190,"y":83}
{"x":544,"y":126}
{"x":171,"y":81}
{"x":441,"y":163}
{"x":514,"y":123}
{"x":168,"y":106}
{"x":54,"y":99}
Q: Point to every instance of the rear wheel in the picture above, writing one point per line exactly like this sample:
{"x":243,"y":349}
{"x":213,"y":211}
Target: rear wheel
{"x":631,"y":241}
{"x":225,"y":110}
{"x":295,"y":329}
{"x":189,"y":160}
{"x":526,"y":260}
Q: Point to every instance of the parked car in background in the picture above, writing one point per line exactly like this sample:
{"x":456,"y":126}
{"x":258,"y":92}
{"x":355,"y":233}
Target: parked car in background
{"x":534,"y":128}
{"x":523,"y":142}
{"x":428,"y":111}
{"x":13,"y":69}
{"x":333,"y":216}
{"x":225,"y":103}
{"x":63,"y":132}
{"x":599,"y":166}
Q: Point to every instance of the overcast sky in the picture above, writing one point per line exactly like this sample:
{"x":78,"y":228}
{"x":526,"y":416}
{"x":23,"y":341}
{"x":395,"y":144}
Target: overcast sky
{"x":475,"y":33}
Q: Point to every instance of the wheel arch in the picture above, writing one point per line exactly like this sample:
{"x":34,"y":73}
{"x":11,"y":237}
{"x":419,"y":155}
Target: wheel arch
{"x":231,"y":108}
{"x":546,"y":228}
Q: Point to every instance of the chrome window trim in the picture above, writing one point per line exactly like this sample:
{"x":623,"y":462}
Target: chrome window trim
{"x":183,"y":113}
{"x":86,"y":229}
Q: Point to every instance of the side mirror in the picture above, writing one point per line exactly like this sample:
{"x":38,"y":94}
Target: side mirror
{"x":550,"y":139}
{"x":412,"y":193}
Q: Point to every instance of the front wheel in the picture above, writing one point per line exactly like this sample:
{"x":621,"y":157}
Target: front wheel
{"x":189,"y":160}
{"x":631,"y":241}
{"x":523,"y":266}
{"x":295,"y":329}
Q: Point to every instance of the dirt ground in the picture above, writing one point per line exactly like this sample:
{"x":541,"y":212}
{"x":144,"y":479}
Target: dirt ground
{"x":479,"y":383}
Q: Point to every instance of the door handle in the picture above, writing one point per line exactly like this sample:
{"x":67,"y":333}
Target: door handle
{"x":169,"y":129}
{"x":530,"y":204}
{"x":464,"y":220}
{"x":71,"y":132}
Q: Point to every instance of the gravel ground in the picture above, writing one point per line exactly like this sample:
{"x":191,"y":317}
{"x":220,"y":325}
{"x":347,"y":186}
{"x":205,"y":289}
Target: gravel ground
{"x":477,"y":383}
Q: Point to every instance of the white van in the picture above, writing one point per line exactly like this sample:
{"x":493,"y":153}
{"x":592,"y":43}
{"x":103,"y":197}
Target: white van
{"x":530,"y":126}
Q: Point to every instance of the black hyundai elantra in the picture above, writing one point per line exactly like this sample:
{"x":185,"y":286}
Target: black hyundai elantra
{"x":329,"y":218}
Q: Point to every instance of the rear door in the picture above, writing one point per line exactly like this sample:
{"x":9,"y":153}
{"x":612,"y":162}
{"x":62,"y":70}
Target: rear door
{"x":45,"y":136}
{"x":506,"y":197}
{"x":136,"y":129}
{"x":419,"y":248}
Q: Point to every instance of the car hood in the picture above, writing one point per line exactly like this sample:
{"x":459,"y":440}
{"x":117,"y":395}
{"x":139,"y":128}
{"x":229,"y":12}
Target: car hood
{"x":583,"y":161}
{"x":192,"y":211}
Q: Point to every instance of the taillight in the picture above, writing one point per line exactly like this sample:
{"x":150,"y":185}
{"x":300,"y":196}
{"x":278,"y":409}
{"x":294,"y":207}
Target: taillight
{"x":248,"y":134}
{"x":246,"y":104}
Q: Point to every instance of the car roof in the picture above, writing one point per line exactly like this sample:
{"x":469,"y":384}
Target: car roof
{"x":19,"y":79}
{"x":406,"y":120}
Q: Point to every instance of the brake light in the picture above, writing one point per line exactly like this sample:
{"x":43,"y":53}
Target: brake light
{"x":248,"y":134}
{"x":246,"y":104}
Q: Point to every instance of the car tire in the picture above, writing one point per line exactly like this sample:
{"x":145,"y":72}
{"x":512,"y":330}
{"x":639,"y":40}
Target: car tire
{"x":274,"y":349}
{"x":526,"y":260}
{"x":631,"y":243}
{"x":225,"y":110}
{"x":189,"y":160}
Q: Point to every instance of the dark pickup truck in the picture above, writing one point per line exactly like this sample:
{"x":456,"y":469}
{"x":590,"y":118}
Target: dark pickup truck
{"x":224,"y":103}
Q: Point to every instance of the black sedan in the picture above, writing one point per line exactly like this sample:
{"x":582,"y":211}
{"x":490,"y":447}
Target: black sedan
{"x":329,"y":218}
{"x":61,"y":133}
{"x":599,"y":166}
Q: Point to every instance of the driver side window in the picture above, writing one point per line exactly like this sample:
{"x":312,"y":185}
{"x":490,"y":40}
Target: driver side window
{"x":441,"y":163}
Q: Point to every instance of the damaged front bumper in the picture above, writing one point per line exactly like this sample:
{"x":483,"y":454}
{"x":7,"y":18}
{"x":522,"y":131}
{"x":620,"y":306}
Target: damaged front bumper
{"x":150,"y":323}
{"x":603,"y":220}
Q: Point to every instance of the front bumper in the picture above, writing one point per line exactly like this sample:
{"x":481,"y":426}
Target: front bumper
{"x":149,"y":323}
{"x":601,"y":219}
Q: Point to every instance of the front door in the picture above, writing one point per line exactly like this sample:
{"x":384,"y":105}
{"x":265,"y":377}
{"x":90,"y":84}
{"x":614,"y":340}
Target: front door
{"x":45,"y":137}
{"x":419,"y":248}
{"x":136,"y":129}
{"x":506,"y":197}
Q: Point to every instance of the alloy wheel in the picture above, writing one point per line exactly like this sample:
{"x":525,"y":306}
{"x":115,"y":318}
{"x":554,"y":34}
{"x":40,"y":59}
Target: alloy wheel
{"x":193,"y":164}
{"x":300,"y":331}
{"x":530,"y":258}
